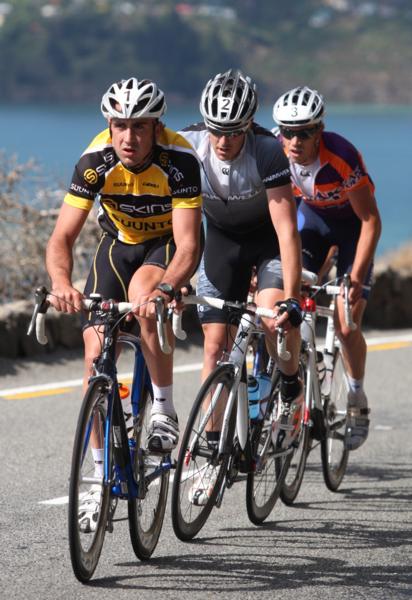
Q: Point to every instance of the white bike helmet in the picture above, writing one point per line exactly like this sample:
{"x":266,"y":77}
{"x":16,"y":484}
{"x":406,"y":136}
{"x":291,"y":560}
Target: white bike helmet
{"x":300,"y":106}
{"x":229,"y":102}
{"x":133,"y":99}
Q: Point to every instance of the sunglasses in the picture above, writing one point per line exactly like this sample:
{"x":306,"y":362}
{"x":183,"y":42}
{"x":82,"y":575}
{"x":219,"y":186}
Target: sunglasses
{"x":301,"y":134}
{"x":230,"y":134}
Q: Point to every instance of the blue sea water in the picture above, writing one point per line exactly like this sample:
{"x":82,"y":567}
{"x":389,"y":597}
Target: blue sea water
{"x":56,"y":136}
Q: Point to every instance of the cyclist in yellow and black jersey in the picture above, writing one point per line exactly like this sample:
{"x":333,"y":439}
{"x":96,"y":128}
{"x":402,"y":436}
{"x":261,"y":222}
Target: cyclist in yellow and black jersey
{"x":136,"y":203}
{"x":147,"y":181}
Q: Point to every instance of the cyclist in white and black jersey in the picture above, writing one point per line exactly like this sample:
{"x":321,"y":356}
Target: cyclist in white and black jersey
{"x":250,"y":218}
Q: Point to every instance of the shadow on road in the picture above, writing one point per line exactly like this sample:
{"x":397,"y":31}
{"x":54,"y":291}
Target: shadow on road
{"x":339,"y":547}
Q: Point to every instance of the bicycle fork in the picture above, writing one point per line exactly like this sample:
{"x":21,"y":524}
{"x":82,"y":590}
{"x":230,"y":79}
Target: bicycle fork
{"x":313,"y":396}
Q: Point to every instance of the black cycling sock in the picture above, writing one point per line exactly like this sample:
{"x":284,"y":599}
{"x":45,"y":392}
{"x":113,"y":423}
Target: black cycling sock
{"x":290,"y":386}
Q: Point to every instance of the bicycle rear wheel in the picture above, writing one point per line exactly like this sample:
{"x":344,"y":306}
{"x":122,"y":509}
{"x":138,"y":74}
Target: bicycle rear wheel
{"x":333,"y":451}
{"x":264,"y":483}
{"x":146,"y":514}
{"x":86,"y":538}
{"x":198,"y":461}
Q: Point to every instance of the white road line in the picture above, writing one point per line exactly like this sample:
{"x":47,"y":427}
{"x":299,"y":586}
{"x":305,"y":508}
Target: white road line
{"x":178,"y":369}
{"x":56,"y":501}
{"x":407,"y":337}
{"x":78,"y":382}
{"x":63,"y":500}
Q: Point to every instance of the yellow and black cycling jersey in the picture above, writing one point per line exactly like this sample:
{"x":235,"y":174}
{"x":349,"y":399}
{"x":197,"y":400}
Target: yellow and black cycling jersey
{"x":136,"y":207}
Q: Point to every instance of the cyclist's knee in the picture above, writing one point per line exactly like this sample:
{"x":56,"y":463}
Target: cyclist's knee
{"x":346,"y":335}
{"x":215,"y":342}
{"x":92,"y":348}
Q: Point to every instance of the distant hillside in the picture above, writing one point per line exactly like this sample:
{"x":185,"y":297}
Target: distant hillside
{"x":70,"y":50}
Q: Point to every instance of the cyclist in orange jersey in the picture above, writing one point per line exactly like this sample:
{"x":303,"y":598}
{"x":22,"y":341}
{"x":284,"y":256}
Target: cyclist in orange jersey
{"x":337,"y":207}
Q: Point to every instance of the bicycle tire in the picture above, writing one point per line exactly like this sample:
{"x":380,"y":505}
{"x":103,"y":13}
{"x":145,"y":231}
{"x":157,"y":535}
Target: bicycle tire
{"x":85,"y":548}
{"x":297,"y":464}
{"x":263,"y":485}
{"x":297,"y":461}
{"x":333,"y":452}
{"x":146,"y":515}
{"x":196,"y":459}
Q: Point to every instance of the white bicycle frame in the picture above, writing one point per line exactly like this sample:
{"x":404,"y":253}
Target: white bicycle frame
{"x":308,"y":334}
{"x":314,"y":390}
{"x":236,"y":359}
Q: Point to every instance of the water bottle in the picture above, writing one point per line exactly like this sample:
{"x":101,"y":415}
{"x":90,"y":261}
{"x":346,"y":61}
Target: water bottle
{"x":258,"y":394}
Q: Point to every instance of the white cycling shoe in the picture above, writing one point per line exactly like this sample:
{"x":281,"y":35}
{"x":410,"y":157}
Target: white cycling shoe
{"x":286,"y":430}
{"x":163,"y":434}
{"x":357,"y":424}
{"x":89,"y":509}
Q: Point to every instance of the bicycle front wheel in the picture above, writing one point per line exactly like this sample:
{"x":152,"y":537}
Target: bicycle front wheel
{"x":264,"y":483}
{"x":146,"y":514}
{"x":200,"y":469}
{"x":89,"y":497}
{"x":301,"y":446}
{"x":333,"y":451}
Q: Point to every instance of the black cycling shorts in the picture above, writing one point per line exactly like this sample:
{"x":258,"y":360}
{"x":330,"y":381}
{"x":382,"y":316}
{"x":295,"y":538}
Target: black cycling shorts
{"x":319,"y":232}
{"x":227,"y":265}
{"x":115,"y":263}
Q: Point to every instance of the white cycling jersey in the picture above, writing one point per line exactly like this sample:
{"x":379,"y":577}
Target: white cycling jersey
{"x":234,"y":192}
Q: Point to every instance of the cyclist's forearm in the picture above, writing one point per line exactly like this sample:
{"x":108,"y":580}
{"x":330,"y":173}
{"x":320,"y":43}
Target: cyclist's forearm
{"x":365,"y":250}
{"x":182,"y":266}
{"x":290,"y":254}
{"x":59,"y":262}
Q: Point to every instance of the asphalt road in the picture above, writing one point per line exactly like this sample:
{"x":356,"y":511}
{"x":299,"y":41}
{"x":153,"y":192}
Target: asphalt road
{"x":352,"y":544}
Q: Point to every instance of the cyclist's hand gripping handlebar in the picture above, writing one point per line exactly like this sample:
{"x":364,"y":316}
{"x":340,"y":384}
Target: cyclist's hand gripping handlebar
{"x":220,"y":304}
{"x":39,"y":313}
{"x":42,"y":304}
{"x":161,"y":319}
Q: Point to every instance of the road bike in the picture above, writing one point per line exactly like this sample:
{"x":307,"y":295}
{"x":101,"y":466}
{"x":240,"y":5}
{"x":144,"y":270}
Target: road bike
{"x":128,"y":471}
{"x":326,"y":392}
{"x":244,"y":447}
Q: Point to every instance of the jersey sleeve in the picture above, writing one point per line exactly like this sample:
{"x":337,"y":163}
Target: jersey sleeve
{"x":358,"y":177}
{"x":272,"y":162}
{"x":88,"y":175}
{"x":184,"y":175}
{"x":347,"y":161}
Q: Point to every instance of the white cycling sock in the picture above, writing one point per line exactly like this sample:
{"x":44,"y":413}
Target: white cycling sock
{"x":163,"y":400}
{"x":357,"y":396}
{"x":355,"y":385}
{"x":98,"y":456}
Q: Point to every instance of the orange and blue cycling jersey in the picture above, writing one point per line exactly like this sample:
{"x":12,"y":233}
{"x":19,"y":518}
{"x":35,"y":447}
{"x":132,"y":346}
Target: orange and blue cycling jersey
{"x":325,"y":215}
{"x":137,"y":207}
{"x":340,"y":169}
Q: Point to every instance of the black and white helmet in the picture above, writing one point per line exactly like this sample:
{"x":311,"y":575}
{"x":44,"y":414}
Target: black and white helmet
{"x":133,"y":99}
{"x":229,"y":102}
{"x":300,"y":106}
